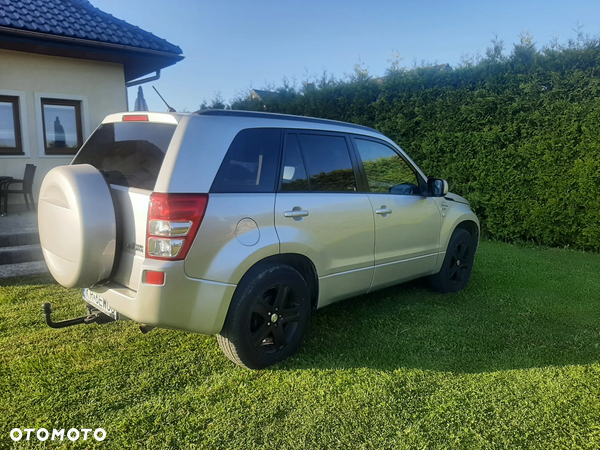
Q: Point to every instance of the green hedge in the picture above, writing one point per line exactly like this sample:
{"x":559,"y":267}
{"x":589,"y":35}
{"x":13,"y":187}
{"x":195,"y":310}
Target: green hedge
{"x":518,"y":136}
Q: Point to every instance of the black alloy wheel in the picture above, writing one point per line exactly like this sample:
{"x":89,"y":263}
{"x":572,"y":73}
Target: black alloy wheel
{"x":458,"y":263}
{"x":267,"y":318}
{"x":274,"y":319}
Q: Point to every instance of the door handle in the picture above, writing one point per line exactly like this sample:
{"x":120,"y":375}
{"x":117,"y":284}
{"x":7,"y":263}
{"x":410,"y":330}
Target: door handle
{"x":295,"y":213}
{"x":383,"y":210}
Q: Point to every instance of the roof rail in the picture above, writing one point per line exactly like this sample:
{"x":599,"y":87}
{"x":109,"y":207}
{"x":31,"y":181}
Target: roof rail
{"x":240,"y":113}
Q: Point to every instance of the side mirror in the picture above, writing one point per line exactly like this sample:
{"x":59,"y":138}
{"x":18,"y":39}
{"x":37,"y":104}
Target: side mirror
{"x":437,"y":187}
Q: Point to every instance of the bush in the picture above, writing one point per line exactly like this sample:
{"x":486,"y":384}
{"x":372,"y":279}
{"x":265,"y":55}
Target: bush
{"x":517,"y":135}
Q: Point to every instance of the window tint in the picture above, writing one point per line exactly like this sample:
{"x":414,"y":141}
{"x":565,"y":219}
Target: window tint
{"x":251,"y":162}
{"x":328,"y":163}
{"x":294,"y":174}
{"x":128,"y":154}
{"x":386,"y":171}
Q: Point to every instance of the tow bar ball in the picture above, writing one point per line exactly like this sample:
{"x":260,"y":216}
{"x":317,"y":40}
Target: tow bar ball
{"x":94,"y":316}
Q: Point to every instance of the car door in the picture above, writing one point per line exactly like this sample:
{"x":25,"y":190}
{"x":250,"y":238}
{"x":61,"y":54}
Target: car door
{"x":321,"y":213}
{"x":407,"y":222}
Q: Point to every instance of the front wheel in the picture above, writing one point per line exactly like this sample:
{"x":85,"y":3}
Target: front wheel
{"x":267,"y":317}
{"x":458,"y":264}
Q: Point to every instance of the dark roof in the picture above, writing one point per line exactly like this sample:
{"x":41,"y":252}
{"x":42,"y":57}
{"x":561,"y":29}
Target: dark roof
{"x":79,"y":23}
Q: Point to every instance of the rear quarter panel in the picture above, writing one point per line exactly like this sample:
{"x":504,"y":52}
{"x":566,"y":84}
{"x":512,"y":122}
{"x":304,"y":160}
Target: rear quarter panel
{"x":195,"y":154}
{"x":237,"y":232}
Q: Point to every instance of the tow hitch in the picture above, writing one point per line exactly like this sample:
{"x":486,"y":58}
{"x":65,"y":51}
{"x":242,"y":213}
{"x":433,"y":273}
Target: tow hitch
{"x":94,"y":316}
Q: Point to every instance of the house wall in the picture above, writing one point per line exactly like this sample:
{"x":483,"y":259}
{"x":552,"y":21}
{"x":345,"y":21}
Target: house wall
{"x":100,"y":86}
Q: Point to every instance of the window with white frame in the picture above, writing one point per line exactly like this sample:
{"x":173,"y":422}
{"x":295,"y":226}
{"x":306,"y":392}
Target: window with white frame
{"x":62,"y":126}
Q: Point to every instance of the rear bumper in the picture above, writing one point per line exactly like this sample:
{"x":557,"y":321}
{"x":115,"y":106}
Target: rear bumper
{"x":182,"y":303}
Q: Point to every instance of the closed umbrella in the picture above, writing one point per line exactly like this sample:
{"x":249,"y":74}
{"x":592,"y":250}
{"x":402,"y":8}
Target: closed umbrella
{"x":140,"y":102}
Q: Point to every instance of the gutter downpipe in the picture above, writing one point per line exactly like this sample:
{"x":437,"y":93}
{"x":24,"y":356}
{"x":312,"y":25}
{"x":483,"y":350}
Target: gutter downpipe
{"x":142,"y":81}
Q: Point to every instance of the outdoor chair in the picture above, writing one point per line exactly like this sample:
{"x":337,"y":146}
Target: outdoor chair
{"x":27,"y":187}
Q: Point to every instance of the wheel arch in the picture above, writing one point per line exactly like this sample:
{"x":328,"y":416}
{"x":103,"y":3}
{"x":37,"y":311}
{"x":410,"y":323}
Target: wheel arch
{"x":472,"y":227}
{"x":301,"y":263}
{"x":457,"y":216}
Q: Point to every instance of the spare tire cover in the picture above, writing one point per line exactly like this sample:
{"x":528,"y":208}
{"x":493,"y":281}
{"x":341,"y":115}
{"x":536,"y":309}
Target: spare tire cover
{"x":76,"y":220}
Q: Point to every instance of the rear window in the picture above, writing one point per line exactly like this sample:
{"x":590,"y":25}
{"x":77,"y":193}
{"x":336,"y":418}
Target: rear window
{"x":128,"y":154}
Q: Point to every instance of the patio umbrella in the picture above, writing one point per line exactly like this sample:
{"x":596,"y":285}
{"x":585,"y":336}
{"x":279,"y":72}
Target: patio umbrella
{"x":140,"y":102}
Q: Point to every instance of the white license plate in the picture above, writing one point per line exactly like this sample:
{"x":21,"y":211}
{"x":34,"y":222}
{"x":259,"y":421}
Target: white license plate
{"x":99,"y":302}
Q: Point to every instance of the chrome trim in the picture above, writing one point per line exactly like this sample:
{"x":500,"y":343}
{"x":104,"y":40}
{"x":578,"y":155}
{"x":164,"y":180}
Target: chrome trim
{"x":295,"y":214}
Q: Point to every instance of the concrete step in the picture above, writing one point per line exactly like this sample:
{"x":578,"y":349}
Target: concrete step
{"x":20,"y":253}
{"x":23,"y":269}
{"x":18,"y":222}
{"x":19,"y":238}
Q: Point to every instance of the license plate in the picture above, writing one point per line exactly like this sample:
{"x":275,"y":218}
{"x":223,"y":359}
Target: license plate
{"x":99,"y":302}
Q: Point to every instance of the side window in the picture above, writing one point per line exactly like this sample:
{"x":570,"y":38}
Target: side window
{"x":386,"y":171}
{"x":294,"y":174}
{"x":328,"y":163}
{"x":250,"y":164}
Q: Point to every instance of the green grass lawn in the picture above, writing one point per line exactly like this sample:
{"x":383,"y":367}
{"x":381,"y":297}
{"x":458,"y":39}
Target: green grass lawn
{"x":510,"y":362}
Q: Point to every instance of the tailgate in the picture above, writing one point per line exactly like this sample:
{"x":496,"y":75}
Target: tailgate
{"x":129,"y":149}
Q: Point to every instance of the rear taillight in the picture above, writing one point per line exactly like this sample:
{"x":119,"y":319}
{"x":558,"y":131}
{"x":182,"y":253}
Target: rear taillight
{"x":173,"y":221}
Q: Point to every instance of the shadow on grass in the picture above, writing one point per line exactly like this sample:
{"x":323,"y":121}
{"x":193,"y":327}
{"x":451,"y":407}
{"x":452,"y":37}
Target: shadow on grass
{"x":530,"y":313}
{"x":27,"y":280}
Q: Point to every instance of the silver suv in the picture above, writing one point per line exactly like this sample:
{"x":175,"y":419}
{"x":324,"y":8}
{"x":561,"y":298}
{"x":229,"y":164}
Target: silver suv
{"x":240,"y":223}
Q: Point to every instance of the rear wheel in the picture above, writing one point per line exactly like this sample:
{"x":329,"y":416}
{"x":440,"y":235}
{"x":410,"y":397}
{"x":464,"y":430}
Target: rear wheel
{"x":267,"y":318}
{"x":458,"y":264}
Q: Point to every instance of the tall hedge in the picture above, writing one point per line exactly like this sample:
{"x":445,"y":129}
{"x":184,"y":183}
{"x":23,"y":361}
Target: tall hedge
{"x":519,"y":136}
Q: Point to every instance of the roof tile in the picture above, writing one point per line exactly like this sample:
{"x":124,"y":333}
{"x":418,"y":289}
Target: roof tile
{"x":78,"y":18}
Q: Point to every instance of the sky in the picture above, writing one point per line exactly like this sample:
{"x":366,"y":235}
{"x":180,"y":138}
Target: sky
{"x":232,"y":46}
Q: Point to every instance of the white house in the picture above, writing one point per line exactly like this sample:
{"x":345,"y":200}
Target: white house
{"x":65,"y":65}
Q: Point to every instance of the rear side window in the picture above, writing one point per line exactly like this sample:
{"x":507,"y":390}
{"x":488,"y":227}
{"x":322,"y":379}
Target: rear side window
{"x":251,"y":162}
{"x":328,"y":163}
{"x":128,"y":154}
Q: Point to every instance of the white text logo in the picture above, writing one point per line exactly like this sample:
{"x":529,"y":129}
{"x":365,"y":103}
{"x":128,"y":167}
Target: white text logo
{"x":42,"y":434}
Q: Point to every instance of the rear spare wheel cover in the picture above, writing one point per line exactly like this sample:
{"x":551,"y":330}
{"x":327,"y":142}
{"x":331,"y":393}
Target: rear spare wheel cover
{"x":77,"y":224}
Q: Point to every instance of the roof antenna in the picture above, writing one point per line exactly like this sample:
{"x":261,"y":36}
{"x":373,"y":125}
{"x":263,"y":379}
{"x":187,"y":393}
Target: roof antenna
{"x":169,"y":109}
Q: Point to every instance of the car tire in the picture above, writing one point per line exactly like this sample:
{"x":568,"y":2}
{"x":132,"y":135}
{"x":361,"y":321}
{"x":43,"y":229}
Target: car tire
{"x":267,"y":318}
{"x":458,"y":264}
